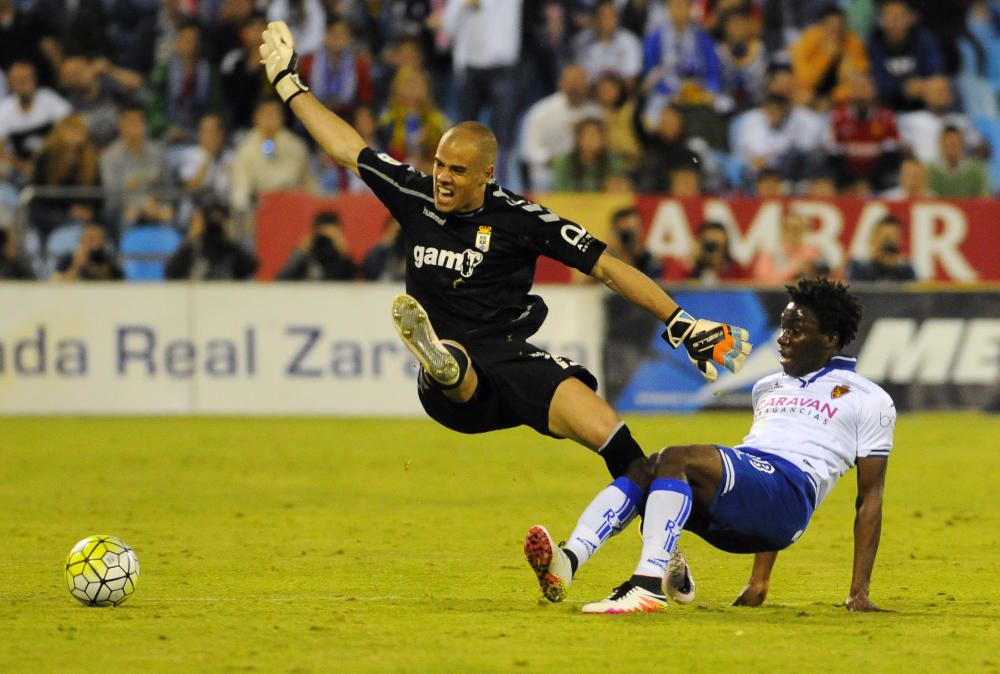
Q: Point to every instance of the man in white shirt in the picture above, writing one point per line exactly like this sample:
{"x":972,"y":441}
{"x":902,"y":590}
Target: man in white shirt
{"x":547,"y":132}
{"x":26,"y":116}
{"x":486,"y":39}
{"x":812,"y":422}
{"x":269,"y":158}
{"x":781,"y":136}
{"x":921,"y":130}
{"x":608,"y":48}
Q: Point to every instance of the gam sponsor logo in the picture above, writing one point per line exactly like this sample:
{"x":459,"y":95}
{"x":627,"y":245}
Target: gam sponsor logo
{"x":935,"y":351}
{"x":464,"y":262}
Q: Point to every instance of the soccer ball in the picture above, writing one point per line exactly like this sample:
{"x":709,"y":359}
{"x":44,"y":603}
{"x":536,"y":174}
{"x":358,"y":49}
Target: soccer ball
{"x":101,"y":571}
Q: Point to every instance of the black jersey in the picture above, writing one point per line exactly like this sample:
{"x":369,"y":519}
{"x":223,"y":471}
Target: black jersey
{"x":473,"y":272}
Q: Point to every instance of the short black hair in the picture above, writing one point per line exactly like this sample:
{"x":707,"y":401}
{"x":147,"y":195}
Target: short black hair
{"x":773,"y":98}
{"x":709,"y":225}
{"x":831,"y":9}
{"x":889,"y":219}
{"x":622,"y":213}
{"x":133,"y":106}
{"x":837,"y":310}
{"x":326,"y":218}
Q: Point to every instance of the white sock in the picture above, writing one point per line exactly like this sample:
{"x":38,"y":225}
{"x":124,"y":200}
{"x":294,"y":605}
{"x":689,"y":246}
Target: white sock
{"x":610,"y":512}
{"x":667,"y":508}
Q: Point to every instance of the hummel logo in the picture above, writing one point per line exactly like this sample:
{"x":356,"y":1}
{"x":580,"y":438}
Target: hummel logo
{"x":433,"y":216}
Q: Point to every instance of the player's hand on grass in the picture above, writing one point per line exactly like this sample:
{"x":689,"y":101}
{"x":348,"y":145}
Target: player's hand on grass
{"x":708,"y":343}
{"x":277,"y":53}
{"x":860,"y":603}
{"x":752,"y":595}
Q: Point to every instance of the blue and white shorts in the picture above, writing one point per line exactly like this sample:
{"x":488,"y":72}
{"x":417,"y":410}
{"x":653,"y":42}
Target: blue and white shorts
{"x":763,"y":503}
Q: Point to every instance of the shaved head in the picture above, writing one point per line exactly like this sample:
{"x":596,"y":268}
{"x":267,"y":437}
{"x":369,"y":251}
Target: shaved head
{"x":481,"y":135}
{"x":463,"y":165}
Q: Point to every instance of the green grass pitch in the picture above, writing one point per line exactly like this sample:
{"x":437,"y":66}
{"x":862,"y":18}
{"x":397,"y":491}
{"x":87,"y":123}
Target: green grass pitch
{"x":324,"y":545}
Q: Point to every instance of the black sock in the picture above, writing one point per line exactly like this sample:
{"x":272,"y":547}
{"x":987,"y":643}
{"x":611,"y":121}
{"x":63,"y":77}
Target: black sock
{"x":573,"y":561}
{"x":647,"y":583}
{"x":620,"y":450}
{"x":463,"y":364}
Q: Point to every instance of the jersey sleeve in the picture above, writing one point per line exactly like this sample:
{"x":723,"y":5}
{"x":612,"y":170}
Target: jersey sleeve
{"x":876,"y":426}
{"x":563,"y":240}
{"x":399,"y":186}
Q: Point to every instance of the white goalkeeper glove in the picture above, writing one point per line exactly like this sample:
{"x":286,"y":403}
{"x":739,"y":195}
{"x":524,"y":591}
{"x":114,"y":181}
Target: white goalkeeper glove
{"x":708,"y":343}
{"x":277,"y":53}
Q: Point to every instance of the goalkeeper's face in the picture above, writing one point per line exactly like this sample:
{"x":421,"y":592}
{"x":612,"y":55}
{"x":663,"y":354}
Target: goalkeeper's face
{"x":802,"y":348}
{"x":460,"y":174}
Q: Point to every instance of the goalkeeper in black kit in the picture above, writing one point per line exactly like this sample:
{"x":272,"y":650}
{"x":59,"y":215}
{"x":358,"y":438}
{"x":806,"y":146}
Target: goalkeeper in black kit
{"x":471,"y":249}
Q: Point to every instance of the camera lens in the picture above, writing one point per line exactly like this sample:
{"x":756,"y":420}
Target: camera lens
{"x":710,"y":246}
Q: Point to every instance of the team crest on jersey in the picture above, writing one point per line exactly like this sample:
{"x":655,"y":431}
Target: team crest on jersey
{"x":483,"y":238}
{"x":840,"y":390}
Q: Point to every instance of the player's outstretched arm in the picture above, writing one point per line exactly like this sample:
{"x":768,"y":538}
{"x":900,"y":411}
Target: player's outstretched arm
{"x":867,"y":530}
{"x":760,"y":580}
{"x":337,"y":138}
{"x":707,"y":343}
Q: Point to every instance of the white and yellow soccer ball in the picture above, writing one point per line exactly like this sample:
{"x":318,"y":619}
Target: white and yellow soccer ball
{"x":101,"y":571}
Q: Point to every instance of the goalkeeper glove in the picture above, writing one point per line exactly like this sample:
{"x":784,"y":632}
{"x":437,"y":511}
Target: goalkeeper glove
{"x":708,"y":343}
{"x":277,"y":53}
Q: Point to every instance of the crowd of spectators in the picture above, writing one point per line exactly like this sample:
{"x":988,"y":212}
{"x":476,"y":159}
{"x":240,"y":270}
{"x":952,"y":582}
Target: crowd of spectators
{"x":147,"y":112}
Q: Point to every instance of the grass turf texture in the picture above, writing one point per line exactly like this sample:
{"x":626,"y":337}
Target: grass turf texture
{"x":384,"y":545}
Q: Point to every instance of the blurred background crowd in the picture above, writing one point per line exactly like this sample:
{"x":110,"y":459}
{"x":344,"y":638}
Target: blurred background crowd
{"x":121,"y":117}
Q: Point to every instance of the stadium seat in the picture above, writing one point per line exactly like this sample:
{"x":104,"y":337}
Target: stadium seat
{"x":145,"y":249}
{"x":990,"y":128}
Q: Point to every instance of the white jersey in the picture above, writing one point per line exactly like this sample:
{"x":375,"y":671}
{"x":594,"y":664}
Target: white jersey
{"x":822,"y":422}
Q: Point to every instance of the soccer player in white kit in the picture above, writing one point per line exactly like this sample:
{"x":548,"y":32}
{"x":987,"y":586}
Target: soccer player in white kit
{"x":812,"y":422}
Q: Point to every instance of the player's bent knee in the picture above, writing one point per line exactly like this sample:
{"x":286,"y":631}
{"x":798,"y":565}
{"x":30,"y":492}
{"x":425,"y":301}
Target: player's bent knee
{"x":642,"y":471}
{"x":674,"y":461}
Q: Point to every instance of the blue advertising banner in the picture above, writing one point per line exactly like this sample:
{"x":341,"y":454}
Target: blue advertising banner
{"x":927,"y":349}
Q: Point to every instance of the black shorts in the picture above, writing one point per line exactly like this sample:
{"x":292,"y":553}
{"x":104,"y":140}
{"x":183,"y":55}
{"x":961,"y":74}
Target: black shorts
{"x":516,"y":383}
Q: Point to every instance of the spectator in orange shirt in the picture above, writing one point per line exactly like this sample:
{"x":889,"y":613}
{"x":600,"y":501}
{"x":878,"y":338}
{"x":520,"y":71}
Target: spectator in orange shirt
{"x":824,"y":56}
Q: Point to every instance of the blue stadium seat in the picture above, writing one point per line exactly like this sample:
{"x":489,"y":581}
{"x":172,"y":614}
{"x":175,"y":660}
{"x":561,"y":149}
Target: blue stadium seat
{"x":145,"y":249}
{"x":990,"y":128}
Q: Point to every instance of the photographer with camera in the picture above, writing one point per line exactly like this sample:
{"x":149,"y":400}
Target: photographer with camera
{"x":386,"y":260}
{"x":885,"y":261}
{"x":711,"y":262}
{"x":12,"y":266}
{"x":626,"y":243}
{"x":210,"y":253}
{"x":323,"y":255}
{"x":92,"y":260}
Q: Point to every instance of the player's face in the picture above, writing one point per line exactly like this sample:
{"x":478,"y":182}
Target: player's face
{"x":459,"y":175}
{"x":802,"y":348}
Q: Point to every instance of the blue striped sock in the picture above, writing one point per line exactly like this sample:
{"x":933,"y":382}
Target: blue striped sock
{"x":667,"y":509}
{"x":610,"y":512}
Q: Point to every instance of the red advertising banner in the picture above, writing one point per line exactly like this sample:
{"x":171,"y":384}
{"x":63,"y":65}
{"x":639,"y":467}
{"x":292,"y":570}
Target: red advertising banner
{"x":284,"y":220}
{"x":946,"y":240}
